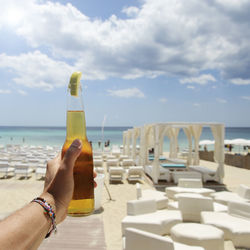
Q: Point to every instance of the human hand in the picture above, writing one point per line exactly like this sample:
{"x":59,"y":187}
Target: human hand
{"x":59,"y":181}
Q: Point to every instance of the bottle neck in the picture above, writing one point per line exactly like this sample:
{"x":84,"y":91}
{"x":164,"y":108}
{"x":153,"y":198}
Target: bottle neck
{"x":76,"y":124}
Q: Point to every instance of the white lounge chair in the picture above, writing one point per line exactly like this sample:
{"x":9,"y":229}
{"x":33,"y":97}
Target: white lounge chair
{"x":41,"y":170}
{"x":97,"y":162}
{"x":235,"y":223}
{"x":23,"y":169}
{"x":207,"y":173}
{"x":136,"y":239}
{"x":6,"y":169}
{"x":165,"y":174}
{"x":188,"y":186}
{"x":143,"y":215}
{"x":176,"y":175}
{"x":126,"y":163}
{"x":116,"y":174}
{"x":135,"y":173}
{"x":242,"y":195}
{"x":112,"y":163}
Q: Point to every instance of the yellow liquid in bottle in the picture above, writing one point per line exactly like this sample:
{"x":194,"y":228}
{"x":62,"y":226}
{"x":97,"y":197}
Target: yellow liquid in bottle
{"x":82,"y":202}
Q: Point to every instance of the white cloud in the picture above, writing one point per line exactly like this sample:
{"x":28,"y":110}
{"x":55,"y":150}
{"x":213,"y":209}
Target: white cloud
{"x":37,"y":70}
{"x":202,"y":79}
{"x":131,"y":11}
{"x":127,"y":93}
{"x":220,"y":100}
{"x":22,"y":92}
{"x":5,"y":91}
{"x":160,"y":37}
{"x":239,"y":81}
{"x":163,"y":100}
{"x":196,"y":104}
{"x":190,"y":87}
{"x":246,"y":98}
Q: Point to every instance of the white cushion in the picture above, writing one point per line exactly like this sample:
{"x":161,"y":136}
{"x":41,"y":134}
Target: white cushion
{"x":159,"y":222}
{"x":235,"y":229}
{"x":209,"y":237}
{"x":136,"y":207}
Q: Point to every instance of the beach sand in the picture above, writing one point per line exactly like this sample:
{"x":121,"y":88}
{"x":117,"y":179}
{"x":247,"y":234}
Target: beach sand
{"x":16,"y":193}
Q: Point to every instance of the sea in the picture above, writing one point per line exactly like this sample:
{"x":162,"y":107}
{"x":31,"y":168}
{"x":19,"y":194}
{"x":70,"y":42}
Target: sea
{"x":55,"y":136}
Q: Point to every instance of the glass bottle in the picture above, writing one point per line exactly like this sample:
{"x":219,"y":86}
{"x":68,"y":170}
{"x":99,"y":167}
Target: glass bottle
{"x":82,"y":202}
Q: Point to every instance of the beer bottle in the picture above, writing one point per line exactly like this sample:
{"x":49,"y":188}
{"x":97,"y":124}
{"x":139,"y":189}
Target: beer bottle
{"x":82,"y":202}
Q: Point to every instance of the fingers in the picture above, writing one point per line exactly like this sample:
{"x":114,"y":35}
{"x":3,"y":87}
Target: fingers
{"x":72,"y":153}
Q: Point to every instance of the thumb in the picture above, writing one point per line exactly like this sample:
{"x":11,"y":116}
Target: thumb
{"x":73,"y":152}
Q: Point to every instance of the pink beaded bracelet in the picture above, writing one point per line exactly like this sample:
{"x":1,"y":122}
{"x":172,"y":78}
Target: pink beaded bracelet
{"x":49,"y":211}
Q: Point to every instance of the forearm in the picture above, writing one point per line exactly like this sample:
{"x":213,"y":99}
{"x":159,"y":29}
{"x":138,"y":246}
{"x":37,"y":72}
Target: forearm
{"x":26,"y":228}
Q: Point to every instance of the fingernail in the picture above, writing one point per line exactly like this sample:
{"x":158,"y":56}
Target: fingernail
{"x":77,"y":143}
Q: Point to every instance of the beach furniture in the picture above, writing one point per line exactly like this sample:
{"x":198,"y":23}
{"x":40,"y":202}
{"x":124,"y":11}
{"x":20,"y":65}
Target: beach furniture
{"x":176,"y":161}
{"x":127,"y":163}
{"x":207,"y":173}
{"x":191,"y":206}
{"x":242,"y":195}
{"x":136,"y":239}
{"x":112,"y":163}
{"x":97,"y":162}
{"x":176,"y":175}
{"x":121,"y":157}
{"x":148,"y":194}
{"x":174,"y":166}
{"x":195,"y":234}
{"x":165,"y":174}
{"x":6,"y":169}
{"x":116,"y":174}
{"x":22,"y":169}
{"x":143,"y":215}
{"x":235,"y":223}
{"x":41,"y":170}
{"x":188,"y":186}
{"x":135,"y":173}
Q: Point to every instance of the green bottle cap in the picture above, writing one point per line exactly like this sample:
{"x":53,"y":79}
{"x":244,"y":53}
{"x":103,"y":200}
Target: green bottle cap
{"x":74,"y":83}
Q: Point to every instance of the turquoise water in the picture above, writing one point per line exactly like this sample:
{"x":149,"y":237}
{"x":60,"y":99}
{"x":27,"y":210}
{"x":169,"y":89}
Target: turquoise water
{"x":55,"y":136}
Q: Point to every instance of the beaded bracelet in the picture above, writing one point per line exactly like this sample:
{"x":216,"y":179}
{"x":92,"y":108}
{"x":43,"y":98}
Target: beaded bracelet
{"x":49,"y":211}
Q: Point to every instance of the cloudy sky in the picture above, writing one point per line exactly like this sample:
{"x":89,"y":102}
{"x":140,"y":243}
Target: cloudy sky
{"x":142,"y":61}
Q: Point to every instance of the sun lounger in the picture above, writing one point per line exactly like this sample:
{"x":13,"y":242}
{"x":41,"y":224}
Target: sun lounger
{"x":136,"y":239}
{"x":97,"y":162}
{"x":112,"y":163}
{"x":165,"y":174}
{"x":135,"y":173}
{"x":235,"y":223}
{"x":173,"y":166}
{"x":23,"y":169}
{"x":242,"y":195}
{"x":41,"y":170}
{"x":185,"y":174}
{"x":116,"y":174}
{"x":126,"y":163}
{"x":207,"y":173}
{"x":6,"y":169}
{"x":188,"y":186}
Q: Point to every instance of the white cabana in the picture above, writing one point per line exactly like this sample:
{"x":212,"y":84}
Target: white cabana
{"x":152,"y":136}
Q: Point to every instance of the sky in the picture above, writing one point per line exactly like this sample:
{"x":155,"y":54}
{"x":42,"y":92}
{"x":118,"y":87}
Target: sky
{"x":143,"y":61}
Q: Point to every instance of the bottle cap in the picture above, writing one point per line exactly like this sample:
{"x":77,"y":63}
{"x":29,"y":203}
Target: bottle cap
{"x":74,"y":83}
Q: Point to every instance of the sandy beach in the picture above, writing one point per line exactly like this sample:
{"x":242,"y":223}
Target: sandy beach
{"x":16,"y":193}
